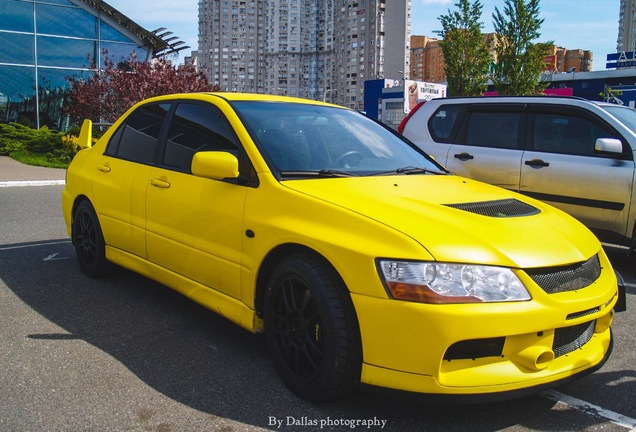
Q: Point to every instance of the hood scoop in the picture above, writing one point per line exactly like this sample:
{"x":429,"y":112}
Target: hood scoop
{"x":499,"y":208}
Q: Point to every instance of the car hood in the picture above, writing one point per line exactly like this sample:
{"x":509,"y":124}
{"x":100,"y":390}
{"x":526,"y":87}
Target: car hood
{"x":419,"y":206}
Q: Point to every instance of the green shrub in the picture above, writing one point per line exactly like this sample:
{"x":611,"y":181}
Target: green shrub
{"x":10,"y":140}
{"x":57,"y":148}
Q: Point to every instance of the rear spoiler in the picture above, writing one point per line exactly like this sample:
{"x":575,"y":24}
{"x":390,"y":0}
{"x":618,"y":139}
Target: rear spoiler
{"x":85,"y":139}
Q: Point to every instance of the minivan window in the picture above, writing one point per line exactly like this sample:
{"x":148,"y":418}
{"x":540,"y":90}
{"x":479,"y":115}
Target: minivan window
{"x":626,"y":115}
{"x":443,"y":122}
{"x":138,"y":138}
{"x":493,"y":129}
{"x":566,"y":134}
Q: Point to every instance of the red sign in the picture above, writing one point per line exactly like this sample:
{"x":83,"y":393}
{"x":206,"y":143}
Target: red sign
{"x":550,"y":62}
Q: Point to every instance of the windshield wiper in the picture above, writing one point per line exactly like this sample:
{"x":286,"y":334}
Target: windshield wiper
{"x":417,"y":170}
{"x":335,"y":173}
{"x":317,"y":173}
{"x":412,"y":170}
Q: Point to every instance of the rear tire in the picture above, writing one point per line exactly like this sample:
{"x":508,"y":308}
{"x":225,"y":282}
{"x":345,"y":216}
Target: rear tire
{"x":311,"y":330}
{"x":89,"y":241}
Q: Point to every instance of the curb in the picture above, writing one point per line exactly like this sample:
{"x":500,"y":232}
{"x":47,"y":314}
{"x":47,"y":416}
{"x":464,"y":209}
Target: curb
{"x":20,"y":183}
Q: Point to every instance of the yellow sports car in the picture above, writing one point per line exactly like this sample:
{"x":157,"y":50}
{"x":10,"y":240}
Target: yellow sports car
{"x":361,"y":258}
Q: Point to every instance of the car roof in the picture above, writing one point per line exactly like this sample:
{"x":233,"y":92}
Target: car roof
{"x":231,"y":97}
{"x":529,"y":98}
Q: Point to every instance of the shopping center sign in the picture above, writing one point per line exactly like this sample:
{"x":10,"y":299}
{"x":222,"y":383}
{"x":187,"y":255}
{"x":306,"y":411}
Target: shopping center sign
{"x":623,"y":59}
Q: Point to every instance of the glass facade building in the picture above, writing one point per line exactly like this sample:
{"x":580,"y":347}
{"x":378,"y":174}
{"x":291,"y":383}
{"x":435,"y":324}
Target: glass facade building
{"x":42,"y":42}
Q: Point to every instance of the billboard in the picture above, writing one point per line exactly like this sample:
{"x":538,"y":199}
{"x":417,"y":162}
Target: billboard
{"x":418,"y":91}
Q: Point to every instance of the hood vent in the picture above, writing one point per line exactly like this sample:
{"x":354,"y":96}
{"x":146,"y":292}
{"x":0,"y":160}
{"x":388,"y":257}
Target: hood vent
{"x":499,"y":208}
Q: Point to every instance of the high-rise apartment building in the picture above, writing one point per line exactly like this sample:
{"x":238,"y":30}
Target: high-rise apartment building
{"x":316,"y":49}
{"x":229,"y":43}
{"x":427,"y":58}
{"x":626,"y":29}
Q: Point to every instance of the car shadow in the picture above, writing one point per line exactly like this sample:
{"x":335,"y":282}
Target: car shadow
{"x":205,"y":362}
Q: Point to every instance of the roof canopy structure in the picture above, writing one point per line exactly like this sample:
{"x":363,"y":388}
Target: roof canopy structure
{"x":159,"y":39}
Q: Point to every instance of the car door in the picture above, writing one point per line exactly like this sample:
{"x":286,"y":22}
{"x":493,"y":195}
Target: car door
{"x":487,"y":147}
{"x":562,"y":167}
{"x":119,"y":189}
{"x":194,"y":225}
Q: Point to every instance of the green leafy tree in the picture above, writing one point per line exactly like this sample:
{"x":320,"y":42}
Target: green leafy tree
{"x":519,"y":60}
{"x":466,"y":54}
{"x":118,"y":86}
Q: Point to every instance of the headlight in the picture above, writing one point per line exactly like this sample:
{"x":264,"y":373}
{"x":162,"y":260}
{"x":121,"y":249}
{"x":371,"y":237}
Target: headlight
{"x":431,"y":282}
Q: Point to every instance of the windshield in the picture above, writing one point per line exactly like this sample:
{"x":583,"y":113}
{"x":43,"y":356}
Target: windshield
{"x":626,"y":115}
{"x":302,"y":139}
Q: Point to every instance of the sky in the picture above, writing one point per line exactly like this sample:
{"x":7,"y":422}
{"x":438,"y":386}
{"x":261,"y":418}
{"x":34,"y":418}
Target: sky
{"x":590,"y":25}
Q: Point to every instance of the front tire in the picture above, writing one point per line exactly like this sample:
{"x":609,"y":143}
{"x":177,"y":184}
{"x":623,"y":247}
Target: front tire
{"x":311,"y":330}
{"x":88,"y":240}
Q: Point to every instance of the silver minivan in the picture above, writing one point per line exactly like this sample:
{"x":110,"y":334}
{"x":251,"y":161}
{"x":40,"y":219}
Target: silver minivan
{"x":576,"y":154}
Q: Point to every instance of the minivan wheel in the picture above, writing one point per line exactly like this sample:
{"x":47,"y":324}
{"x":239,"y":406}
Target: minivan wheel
{"x":89,"y":241}
{"x":311,"y":330}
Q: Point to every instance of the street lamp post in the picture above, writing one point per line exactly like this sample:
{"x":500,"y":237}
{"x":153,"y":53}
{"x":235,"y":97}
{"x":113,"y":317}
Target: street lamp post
{"x":324,"y":96}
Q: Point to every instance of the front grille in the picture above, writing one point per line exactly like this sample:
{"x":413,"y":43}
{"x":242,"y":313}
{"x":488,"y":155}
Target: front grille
{"x":567,"y":278}
{"x":499,"y":208}
{"x":569,"y":339}
{"x":475,"y":348}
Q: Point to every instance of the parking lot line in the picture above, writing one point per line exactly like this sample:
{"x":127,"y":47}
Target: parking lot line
{"x":591,"y":409}
{"x":33,"y":244}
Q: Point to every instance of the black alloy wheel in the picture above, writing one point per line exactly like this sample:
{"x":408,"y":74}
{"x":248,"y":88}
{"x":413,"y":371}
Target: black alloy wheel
{"x":311,"y":330}
{"x":89,"y":240}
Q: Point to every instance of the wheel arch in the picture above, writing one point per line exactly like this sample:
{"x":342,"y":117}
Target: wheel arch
{"x":277,"y":255}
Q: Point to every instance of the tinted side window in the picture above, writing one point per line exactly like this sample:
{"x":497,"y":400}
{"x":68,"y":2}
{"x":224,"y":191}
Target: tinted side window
{"x":567,"y":134}
{"x":444,"y":121}
{"x":493,"y":129}
{"x":195,"y":128}
{"x":138,"y":138}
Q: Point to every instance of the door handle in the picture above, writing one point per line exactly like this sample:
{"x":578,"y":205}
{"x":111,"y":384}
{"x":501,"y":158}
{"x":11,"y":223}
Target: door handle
{"x":537,"y":163}
{"x":161,"y":182}
{"x":464,"y":156}
{"x":103,"y":168}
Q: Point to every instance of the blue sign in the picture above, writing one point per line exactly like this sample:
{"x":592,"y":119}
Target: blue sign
{"x":621,"y":59}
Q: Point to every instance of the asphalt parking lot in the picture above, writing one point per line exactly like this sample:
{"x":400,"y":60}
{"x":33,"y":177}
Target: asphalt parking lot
{"x":126,"y":354}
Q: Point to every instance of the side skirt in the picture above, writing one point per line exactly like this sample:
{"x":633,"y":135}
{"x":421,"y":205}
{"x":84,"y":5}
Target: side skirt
{"x":224,"y":305}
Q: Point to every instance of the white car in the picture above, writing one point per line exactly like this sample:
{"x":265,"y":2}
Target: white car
{"x":575,"y":154}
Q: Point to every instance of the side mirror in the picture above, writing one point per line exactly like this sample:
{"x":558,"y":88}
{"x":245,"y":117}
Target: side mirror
{"x":85,"y":139}
{"x":608,"y":145}
{"x":215,"y":165}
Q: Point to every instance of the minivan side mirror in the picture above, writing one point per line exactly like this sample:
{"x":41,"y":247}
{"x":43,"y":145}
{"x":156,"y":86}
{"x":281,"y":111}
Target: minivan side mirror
{"x":608,"y":145}
{"x":217,"y":165}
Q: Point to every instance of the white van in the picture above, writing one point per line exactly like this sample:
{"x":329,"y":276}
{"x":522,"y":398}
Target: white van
{"x":575,"y":154}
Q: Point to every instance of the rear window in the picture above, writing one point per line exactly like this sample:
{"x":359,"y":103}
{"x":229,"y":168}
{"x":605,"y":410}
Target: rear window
{"x":137,"y":139}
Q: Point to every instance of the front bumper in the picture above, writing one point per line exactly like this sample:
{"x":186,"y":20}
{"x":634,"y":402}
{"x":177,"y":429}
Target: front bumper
{"x":487,"y":349}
